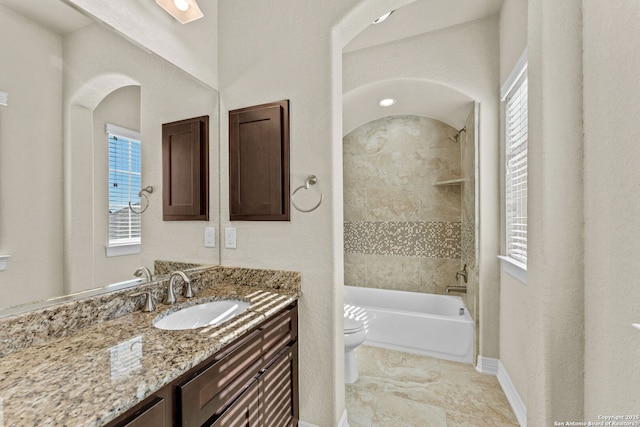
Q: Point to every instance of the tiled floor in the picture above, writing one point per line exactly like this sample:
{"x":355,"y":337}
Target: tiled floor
{"x":405,"y":390}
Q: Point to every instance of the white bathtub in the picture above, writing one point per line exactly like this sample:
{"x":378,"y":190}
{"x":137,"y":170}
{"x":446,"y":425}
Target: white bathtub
{"x":414,"y":322}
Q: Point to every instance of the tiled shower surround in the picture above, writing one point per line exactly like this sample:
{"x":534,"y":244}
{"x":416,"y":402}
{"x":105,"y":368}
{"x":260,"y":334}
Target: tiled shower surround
{"x":401,"y":231}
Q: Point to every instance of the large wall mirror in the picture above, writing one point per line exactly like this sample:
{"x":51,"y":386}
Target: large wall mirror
{"x":67,"y":77}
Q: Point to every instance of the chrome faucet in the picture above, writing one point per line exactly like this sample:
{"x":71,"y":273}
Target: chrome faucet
{"x":461,"y":289}
{"x":143,"y":270}
{"x":171,"y":296}
{"x":464,"y":273}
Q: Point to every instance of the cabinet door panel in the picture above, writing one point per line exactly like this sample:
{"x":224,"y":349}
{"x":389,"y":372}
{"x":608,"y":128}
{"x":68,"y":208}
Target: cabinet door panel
{"x":279,"y":391}
{"x":259,"y":162}
{"x":185,"y":169}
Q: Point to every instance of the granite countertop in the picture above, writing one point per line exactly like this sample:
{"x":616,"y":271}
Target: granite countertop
{"x":93,"y":375}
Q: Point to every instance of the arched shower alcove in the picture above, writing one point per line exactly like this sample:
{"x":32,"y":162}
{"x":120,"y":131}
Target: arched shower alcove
{"x":408,"y":167}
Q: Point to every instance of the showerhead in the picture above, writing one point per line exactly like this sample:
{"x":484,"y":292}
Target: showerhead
{"x":457,"y":135}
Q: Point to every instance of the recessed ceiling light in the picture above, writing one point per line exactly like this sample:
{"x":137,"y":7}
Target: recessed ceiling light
{"x":382,"y":18}
{"x":181,"y":4}
{"x":387,"y":102}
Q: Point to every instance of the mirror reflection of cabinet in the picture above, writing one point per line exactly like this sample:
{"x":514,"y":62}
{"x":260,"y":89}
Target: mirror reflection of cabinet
{"x":185,"y":170}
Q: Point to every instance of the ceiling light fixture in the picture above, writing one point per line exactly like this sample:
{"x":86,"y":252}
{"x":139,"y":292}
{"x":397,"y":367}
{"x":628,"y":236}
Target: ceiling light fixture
{"x":387,"y":102}
{"x":184,"y":11}
{"x":182,"y":5}
{"x":382,"y":18}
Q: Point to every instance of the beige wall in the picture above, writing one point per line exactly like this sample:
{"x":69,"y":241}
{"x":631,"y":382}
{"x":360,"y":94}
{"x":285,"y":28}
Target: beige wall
{"x":555,"y":286}
{"x":30,"y":154}
{"x":572,"y":352}
{"x":514,"y":296}
{"x":611,"y":226}
{"x":99,"y":62}
{"x":402,"y":232}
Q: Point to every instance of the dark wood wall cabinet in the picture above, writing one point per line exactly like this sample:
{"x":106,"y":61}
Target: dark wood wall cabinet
{"x":251,"y":382}
{"x":259,"y":163}
{"x":185,"y":170}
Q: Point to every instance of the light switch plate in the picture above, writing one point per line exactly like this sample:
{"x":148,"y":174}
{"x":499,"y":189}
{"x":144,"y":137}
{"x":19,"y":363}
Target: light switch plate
{"x":209,"y":237}
{"x":230,"y":238}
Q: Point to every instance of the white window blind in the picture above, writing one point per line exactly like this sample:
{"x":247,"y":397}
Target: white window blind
{"x":516,"y":136}
{"x":124,"y":186}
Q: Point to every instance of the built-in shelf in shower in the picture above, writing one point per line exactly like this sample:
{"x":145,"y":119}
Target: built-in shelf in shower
{"x":458,"y":181}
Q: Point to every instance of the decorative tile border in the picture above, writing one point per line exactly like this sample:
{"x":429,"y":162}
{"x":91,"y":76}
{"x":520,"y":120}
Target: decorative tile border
{"x":414,"y":239}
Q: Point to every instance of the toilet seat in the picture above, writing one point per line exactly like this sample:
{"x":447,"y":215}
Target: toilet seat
{"x":351,"y":325}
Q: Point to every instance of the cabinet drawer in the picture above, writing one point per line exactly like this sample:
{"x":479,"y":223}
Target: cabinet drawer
{"x":150,"y":415}
{"x":241,"y":413}
{"x":279,"y":332}
{"x":210,"y":390}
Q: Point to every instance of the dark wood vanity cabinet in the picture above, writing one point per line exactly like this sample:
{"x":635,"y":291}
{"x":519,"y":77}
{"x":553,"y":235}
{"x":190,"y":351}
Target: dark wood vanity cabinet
{"x":251,"y":382}
{"x":259,"y":163}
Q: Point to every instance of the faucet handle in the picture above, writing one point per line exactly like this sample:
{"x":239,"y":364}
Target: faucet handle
{"x":148,"y":300}
{"x":171,"y":296}
{"x":464,"y":273}
{"x":188,"y":292}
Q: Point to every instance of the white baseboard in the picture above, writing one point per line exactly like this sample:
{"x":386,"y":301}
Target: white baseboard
{"x":343,"y":422}
{"x":487,"y":365}
{"x":518,"y":406}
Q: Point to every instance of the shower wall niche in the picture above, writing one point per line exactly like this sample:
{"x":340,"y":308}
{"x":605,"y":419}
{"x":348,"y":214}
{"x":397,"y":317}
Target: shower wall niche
{"x":403,"y":230}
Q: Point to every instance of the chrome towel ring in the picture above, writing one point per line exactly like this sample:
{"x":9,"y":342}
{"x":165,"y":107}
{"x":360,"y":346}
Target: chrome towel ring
{"x":142,"y":193}
{"x":311,"y":180}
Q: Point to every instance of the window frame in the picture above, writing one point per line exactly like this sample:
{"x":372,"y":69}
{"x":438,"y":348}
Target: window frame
{"x":515,"y":266}
{"x":119,"y":247}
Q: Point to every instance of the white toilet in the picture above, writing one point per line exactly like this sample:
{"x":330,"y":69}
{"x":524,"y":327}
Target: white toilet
{"x":354,"y":335}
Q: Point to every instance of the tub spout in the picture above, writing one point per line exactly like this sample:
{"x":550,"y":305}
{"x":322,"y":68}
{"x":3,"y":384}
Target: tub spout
{"x":461,"y":289}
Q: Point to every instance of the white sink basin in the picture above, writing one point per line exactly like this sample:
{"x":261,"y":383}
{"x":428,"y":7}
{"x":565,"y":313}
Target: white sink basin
{"x":198,"y":316}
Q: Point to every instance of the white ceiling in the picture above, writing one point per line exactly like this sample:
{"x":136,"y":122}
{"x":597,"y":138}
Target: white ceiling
{"x":423,"y":16}
{"x":414,"y":97}
{"x":53,"y":14}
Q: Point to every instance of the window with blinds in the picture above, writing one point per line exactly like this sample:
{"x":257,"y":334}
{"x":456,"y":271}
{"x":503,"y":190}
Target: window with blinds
{"x":516,"y":169}
{"x":124,"y":186}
